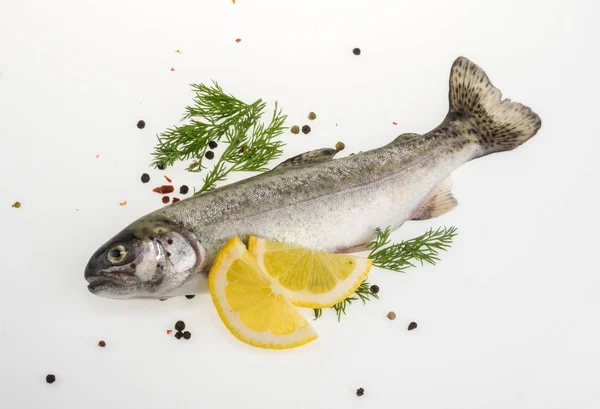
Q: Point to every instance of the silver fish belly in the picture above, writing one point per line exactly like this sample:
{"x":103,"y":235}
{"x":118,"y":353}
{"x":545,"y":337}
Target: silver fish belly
{"x":321,"y":203}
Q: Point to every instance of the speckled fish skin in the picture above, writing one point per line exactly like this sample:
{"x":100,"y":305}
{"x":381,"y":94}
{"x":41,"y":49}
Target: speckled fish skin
{"x":337,"y":204}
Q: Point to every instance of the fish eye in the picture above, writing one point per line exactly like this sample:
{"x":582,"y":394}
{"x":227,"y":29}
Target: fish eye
{"x":117,"y":254}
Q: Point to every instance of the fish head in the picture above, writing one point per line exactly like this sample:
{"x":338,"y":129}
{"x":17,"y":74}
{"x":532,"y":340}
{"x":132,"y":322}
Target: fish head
{"x":148,"y":259}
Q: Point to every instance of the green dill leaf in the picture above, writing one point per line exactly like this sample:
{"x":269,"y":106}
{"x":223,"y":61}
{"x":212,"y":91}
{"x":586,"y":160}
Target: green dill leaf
{"x":398,"y":257}
{"x":217,"y":116}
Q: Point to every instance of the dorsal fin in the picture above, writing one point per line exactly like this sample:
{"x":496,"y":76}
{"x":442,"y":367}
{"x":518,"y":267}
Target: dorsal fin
{"x":308,"y":158}
{"x":437,"y":202}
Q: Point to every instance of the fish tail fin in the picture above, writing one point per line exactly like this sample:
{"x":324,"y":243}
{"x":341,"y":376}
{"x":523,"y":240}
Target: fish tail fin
{"x":495,"y":124}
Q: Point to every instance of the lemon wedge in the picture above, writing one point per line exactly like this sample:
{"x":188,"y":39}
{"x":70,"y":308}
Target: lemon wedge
{"x":312,"y":279}
{"x":251,"y":305}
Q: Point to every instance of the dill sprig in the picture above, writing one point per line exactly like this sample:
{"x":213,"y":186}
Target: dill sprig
{"x":424,"y":249}
{"x":397,"y":257}
{"x":217,"y":116}
{"x":363,"y":293}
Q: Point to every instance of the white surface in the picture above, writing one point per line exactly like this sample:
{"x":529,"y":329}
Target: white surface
{"x":507,"y":319}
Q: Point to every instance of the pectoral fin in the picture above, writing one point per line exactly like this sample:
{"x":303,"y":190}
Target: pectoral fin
{"x":437,"y":202}
{"x":308,"y":158}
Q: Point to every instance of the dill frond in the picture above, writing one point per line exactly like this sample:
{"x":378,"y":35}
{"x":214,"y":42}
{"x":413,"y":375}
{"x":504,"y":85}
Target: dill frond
{"x":217,"y":116}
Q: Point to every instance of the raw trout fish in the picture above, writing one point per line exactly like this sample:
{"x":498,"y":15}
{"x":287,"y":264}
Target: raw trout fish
{"x":312,"y":200}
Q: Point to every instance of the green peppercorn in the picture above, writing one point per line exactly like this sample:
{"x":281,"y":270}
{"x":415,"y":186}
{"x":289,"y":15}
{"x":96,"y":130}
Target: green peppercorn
{"x":295,"y":129}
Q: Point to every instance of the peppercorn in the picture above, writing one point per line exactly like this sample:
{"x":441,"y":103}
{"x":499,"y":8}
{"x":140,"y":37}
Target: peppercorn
{"x":305,"y":129}
{"x":312,"y":116}
{"x":374,"y":289}
{"x":339,"y":146}
{"x":391,"y":315}
{"x":360,"y":392}
{"x":213,"y":145}
{"x":178,"y":334}
{"x":187,"y":335}
{"x":165,"y":199}
{"x":101,"y":344}
{"x":141,"y":124}
{"x":145,"y":178}
{"x":180,"y":325}
{"x":183,"y":190}
{"x":189,"y":297}
{"x":209,"y":155}
{"x":295,"y":129}
{"x":161,"y":166}
{"x":356,"y":51}
{"x":50,"y":378}
{"x":412,"y":325}
{"x":16,"y":205}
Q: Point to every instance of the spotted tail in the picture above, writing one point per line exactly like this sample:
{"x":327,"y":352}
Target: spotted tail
{"x":476,"y":106}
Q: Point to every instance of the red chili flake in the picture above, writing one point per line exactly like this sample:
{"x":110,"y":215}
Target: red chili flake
{"x":123,"y":203}
{"x":165,"y":199}
{"x":168,"y":180}
{"x":237,"y":40}
{"x":172,"y":69}
{"x":395,"y":123}
{"x":176,"y":199}
{"x":164,"y":189}
{"x":169,"y":331}
{"x":233,"y":1}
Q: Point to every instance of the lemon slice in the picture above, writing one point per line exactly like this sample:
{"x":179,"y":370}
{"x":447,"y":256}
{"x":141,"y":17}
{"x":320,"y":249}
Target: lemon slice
{"x":313,"y":279}
{"x":251,"y":305}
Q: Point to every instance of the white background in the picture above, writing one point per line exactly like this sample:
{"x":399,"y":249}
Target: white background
{"x":507,"y":319}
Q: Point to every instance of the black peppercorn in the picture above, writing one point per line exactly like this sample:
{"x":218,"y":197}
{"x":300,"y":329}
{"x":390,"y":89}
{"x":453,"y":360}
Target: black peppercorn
{"x":374,"y":289}
{"x":145,"y":178}
{"x":360,"y":392}
{"x":189,"y":297}
{"x":213,"y":145}
{"x":305,"y":129}
{"x":356,"y":51}
{"x":187,"y":335}
{"x":101,"y":344}
{"x":180,"y":325}
{"x":183,"y":190}
{"x":141,"y":124}
{"x":209,"y":155}
{"x":178,"y":334}
{"x":50,"y":378}
{"x":412,"y":325}
{"x":161,"y":166}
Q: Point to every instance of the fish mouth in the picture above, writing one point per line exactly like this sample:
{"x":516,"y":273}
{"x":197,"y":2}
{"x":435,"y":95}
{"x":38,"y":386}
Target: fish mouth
{"x":99,"y":283}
